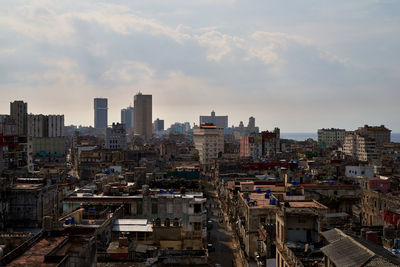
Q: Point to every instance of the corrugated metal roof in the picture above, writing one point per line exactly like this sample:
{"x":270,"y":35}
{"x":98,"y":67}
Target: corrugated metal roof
{"x":345,"y":250}
{"x":380,"y":262}
{"x":347,"y":253}
{"x":332,"y":235}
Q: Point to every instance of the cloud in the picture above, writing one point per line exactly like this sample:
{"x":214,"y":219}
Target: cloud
{"x":291,"y":63}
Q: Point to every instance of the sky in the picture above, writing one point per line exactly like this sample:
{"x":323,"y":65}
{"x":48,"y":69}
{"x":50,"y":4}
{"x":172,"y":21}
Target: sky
{"x":296,"y":65}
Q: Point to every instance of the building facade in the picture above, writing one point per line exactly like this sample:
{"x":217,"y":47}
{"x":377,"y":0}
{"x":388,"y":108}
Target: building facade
{"x":158,"y":125}
{"x":45,"y":125}
{"x":359,"y":147}
{"x":380,"y":134}
{"x":116,"y":137}
{"x":209,"y":142}
{"x":19,"y":112}
{"x":219,"y":121}
{"x":100,"y":113}
{"x":127,"y":118}
{"x":257,"y":145}
{"x":143,"y":115}
{"x":331,"y":137}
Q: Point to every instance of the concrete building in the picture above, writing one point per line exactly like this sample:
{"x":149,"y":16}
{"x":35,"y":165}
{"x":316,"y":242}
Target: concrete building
{"x":47,"y":146}
{"x":29,"y":202}
{"x":380,"y":134}
{"x":257,"y":145}
{"x":253,"y":209}
{"x":189,"y":208}
{"x":116,"y":137}
{"x":298,"y":228}
{"x":376,"y":201}
{"x":100,"y":113}
{"x":158,"y":125}
{"x":45,"y":125}
{"x":331,"y":137}
{"x":360,"y":171}
{"x":143,"y":115}
{"x":127,"y":118}
{"x":19,"y":112}
{"x":37,"y":125}
{"x":251,"y":146}
{"x":8,"y":126}
{"x":359,"y":147}
{"x":219,"y":121}
{"x":209,"y":142}
{"x":56,"y":125}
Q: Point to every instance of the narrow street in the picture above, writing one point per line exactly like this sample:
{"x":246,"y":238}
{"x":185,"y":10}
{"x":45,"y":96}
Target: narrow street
{"x":220,"y":235}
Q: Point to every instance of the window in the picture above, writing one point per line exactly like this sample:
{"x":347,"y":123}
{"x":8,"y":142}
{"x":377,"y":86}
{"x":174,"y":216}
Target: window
{"x":197,"y":208}
{"x":154,"y":208}
{"x":139,"y":208}
{"x":197,"y":226}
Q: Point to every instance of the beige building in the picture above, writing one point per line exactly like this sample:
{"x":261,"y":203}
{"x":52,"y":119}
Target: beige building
{"x":331,"y":137}
{"x":19,"y":112}
{"x":45,"y":125}
{"x":362,"y":148}
{"x":298,"y":227}
{"x":209,"y":141}
{"x":143,"y":115}
{"x":380,"y":134}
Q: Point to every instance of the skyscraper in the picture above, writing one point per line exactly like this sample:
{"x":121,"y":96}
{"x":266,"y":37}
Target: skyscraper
{"x":143,"y":115}
{"x":19,"y":112}
{"x":100,"y":112}
{"x":158,"y":125}
{"x":127,"y":118}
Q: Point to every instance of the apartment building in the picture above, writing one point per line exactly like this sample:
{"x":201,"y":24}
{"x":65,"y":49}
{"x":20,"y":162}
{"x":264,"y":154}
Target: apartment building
{"x":209,"y":142}
{"x":219,"y":121}
{"x":298,"y":228}
{"x":331,"y":137}
{"x":45,"y":125}
{"x":380,"y":134}
{"x":116,"y":136}
{"x":360,"y":147}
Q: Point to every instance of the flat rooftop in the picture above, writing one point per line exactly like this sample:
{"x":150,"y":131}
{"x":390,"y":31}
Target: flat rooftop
{"x":35,"y":255}
{"x":262,"y":202}
{"x":26,"y":186}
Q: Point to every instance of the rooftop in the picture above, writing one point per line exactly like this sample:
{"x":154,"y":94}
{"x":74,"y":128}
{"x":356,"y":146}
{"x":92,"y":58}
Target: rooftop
{"x":344,"y":250}
{"x":132,"y":225}
{"x":36,"y":254}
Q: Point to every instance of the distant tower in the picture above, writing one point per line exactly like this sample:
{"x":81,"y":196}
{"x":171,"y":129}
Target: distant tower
{"x":100,"y":113}
{"x":143,"y":115}
{"x":252,"y":123}
{"x":19,"y":112}
{"x":158,"y":125}
{"x":127,"y":118}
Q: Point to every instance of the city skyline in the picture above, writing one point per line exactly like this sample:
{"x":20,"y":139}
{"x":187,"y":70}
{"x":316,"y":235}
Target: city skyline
{"x":114,"y":116}
{"x":298,"y":66}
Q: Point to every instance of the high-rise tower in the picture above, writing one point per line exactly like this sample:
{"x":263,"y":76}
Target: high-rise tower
{"x":127,"y":117}
{"x":100,"y":113}
{"x":19,"y":112}
{"x":143,"y":115}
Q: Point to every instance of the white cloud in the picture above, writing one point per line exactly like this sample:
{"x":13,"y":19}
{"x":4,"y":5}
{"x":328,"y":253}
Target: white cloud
{"x":128,"y":72}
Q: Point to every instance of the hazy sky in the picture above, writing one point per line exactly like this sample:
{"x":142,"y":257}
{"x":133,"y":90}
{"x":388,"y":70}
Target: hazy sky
{"x":298,"y":65}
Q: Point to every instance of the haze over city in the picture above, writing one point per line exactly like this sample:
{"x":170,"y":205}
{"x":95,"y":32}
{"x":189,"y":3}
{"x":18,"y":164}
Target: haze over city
{"x":298,"y":65}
